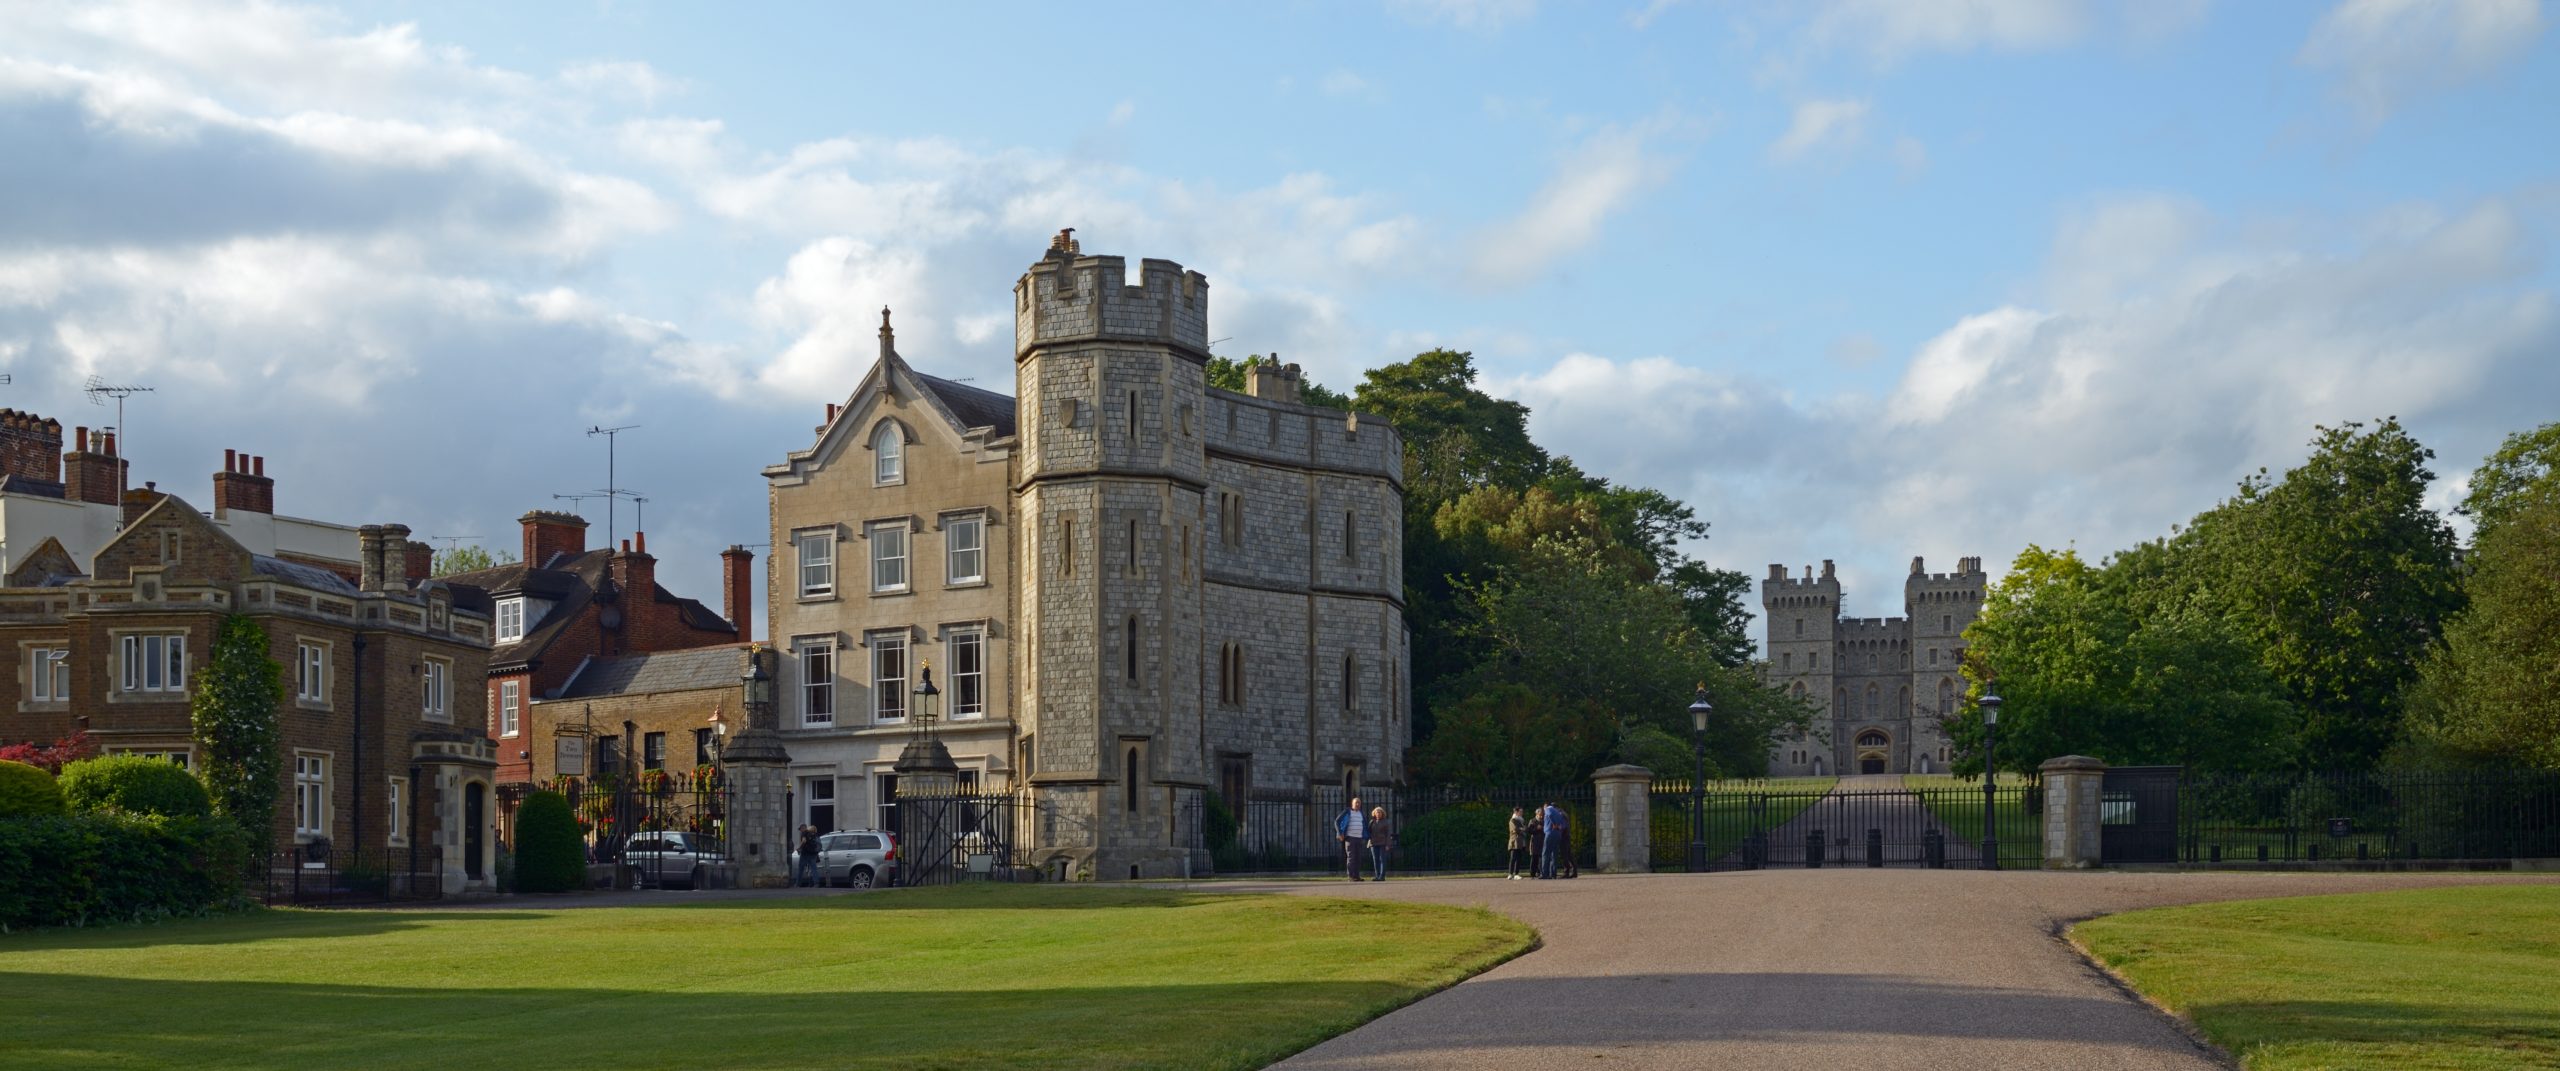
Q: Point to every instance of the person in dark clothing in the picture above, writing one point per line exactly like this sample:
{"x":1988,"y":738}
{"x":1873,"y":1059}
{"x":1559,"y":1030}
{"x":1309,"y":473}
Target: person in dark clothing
{"x":808,"y":856}
{"x":1537,"y":842}
{"x":1518,"y":844}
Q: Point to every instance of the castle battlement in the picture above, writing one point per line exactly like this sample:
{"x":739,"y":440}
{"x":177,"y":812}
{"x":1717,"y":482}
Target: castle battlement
{"x":1067,"y":296}
{"x":1878,"y":683}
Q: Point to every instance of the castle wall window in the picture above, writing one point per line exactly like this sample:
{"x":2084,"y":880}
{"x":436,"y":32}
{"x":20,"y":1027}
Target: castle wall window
{"x":964,"y":544}
{"x":1066,"y":546}
{"x":154,"y":663}
{"x":1933,"y":656}
{"x":49,"y":675}
{"x":889,"y":455}
{"x":889,"y":557}
{"x":1871,"y":738}
{"x":968,"y":658}
{"x":1946,"y":622}
{"x":1129,"y":649}
{"x":1350,"y":683}
{"x":1787,"y":662}
{"x":1873,"y":697}
{"x":817,"y":658}
{"x":889,"y":677}
{"x":1350,"y":536}
{"x":1133,"y":548}
{"x":1133,"y":416}
{"x":1231,"y":518}
{"x":510,"y":706}
{"x":1946,"y":696}
{"x":817,"y":554}
{"x":1129,"y":781}
{"x":1799,"y":626}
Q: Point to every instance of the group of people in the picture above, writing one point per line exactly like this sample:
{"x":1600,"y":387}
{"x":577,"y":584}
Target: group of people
{"x":1541,"y":843}
{"x":1364,"y":834}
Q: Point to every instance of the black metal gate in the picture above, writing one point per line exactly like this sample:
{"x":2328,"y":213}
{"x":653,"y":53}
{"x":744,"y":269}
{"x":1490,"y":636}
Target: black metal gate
{"x":1933,"y":823}
{"x":2138,"y":815}
{"x":944,"y":839}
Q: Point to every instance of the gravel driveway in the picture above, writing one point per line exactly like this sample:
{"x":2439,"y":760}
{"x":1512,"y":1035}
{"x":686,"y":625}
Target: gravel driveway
{"x":1801,"y":969}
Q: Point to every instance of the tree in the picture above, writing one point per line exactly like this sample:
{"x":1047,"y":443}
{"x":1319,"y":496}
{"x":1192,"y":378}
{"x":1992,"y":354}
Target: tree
{"x":234,"y":715}
{"x":470,"y":559}
{"x":2491,"y":692}
{"x":1229,"y":374}
{"x":1455,"y":436}
{"x":2526,"y":463}
{"x":551,"y":855}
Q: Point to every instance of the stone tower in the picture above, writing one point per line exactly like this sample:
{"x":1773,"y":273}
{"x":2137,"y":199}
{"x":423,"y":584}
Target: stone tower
{"x":1939,"y":606}
{"x":1803,"y":615}
{"x":1110,"y":476}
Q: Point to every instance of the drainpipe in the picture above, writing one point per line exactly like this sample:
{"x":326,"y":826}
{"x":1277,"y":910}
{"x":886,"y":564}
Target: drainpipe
{"x":358,"y":721}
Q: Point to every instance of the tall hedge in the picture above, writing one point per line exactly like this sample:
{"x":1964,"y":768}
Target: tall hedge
{"x":551,"y":855}
{"x":134,"y":785}
{"x":27,"y":791}
{"x":99,"y":867}
{"x":234,"y":714}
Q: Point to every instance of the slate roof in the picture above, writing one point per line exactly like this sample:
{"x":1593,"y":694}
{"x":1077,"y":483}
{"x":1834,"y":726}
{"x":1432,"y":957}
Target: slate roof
{"x":692,"y":669}
{"x":570,"y":584}
{"x":309,"y":576}
{"x":976,"y":408}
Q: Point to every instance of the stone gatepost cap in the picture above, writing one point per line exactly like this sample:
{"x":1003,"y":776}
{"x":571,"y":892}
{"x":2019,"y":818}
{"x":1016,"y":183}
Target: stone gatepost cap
{"x":1622,"y":772}
{"x":2068,"y":763}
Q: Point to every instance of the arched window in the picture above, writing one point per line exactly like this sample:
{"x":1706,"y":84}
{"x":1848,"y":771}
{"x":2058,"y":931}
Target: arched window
{"x":1871,"y":738}
{"x":1902,"y":707}
{"x":1799,"y":693}
{"x":1872,"y":696}
{"x":1946,"y":695}
{"x":1130,"y":649}
{"x":889,"y":454}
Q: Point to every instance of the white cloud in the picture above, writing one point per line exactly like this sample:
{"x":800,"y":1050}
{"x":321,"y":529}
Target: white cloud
{"x":625,"y":80}
{"x":1465,"y":14}
{"x":1890,"y":29}
{"x":1596,"y":179}
{"x":1821,"y":124}
{"x":1911,"y":156}
{"x":2385,"y":53}
{"x":1344,"y":83}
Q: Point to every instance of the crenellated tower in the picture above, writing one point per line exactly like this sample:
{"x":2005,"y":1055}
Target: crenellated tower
{"x":1940,"y":606}
{"x":1111,"y":473}
{"x":1803,"y":615}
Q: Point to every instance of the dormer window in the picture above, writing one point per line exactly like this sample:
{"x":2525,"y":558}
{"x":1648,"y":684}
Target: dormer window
{"x":510,"y":620}
{"x":889,"y":450}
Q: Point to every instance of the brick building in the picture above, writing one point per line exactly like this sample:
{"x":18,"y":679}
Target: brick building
{"x":664,"y":710}
{"x":1134,"y":588}
{"x":382,"y":753}
{"x":564,"y":605}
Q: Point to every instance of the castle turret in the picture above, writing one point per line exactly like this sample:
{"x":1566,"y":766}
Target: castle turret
{"x":1803,"y":617}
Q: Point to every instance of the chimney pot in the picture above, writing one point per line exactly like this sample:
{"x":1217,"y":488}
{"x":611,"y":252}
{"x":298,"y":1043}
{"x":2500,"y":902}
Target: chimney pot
{"x":258,"y":465}
{"x":640,"y":542}
{"x":231,"y":461}
{"x":736,"y":596}
{"x":82,"y":439}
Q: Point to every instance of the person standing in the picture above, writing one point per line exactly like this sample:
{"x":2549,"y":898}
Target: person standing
{"x":808,"y":874}
{"x":1381,"y":841}
{"x":1564,"y":855}
{"x":1537,"y":840}
{"x":1553,"y":820}
{"x":1518,"y":845}
{"x":1352,"y":829}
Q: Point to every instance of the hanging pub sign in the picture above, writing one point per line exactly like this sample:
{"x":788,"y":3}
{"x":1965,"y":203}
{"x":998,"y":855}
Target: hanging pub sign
{"x":572,"y":755}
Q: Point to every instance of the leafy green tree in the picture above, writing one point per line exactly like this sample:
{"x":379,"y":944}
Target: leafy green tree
{"x":1508,"y":734}
{"x":470,"y":559}
{"x":234,"y":714}
{"x":2491,"y":692}
{"x":2527,"y":463}
{"x":551,"y":855}
{"x":1456,"y":437}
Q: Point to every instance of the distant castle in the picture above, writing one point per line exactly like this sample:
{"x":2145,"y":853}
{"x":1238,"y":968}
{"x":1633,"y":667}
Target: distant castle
{"x":1881,"y":683}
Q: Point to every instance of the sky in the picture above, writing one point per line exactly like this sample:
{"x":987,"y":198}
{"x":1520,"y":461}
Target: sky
{"x":1858,"y":279}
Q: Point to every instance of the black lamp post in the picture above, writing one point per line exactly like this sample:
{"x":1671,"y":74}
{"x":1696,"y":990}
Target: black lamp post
{"x":1990,"y":705}
{"x":1699,"y":711}
{"x":926,"y":693}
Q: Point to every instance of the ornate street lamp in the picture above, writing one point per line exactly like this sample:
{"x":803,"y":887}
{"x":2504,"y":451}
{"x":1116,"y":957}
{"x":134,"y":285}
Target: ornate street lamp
{"x":926,"y":693}
{"x":1699,"y":711}
{"x":1990,"y":704}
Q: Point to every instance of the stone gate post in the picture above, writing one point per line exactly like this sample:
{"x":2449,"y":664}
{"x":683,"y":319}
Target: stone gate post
{"x":1622,"y":814}
{"x":2071,"y":811}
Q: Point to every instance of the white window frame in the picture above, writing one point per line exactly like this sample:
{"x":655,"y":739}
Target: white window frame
{"x":816,"y":692}
{"x":885,"y":690}
{"x":310,"y":795}
{"x":889,"y":455}
{"x":885,"y":536}
{"x":396,"y":804}
{"x":49,"y":673}
{"x":975,"y":524}
{"x":152,"y":662}
{"x":817,"y":570}
{"x":435,"y":690}
{"x":974,"y":640}
{"x":508,"y":626}
{"x":510,"y":708}
{"x":311,"y":672}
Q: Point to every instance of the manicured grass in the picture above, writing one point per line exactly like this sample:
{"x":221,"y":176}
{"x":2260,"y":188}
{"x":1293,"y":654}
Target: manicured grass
{"x":2434,"y":978}
{"x":982,"y":976}
{"x":1957,"y":804}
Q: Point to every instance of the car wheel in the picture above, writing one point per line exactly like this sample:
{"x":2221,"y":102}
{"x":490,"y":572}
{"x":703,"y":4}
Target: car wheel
{"x":860,"y":878}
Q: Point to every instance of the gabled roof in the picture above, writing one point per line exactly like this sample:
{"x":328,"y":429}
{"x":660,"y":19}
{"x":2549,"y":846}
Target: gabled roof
{"x":570,"y":585}
{"x":975,"y":408}
{"x":47,"y":566}
{"x":691,"y":669}
{"x":964,"y":408}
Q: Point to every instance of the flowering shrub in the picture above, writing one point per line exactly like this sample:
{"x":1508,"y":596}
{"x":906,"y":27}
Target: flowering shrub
{"x":51,"y":757}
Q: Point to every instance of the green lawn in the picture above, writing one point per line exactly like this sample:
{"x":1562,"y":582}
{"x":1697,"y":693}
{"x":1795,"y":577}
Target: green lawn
{"x":1957,"y":804}
{"x":2434,"y":978}
{"x":1730,"y":814}
{"x":983,"y":976}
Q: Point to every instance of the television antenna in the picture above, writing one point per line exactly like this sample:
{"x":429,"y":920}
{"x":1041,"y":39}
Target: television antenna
{"x":99,"y":390}
{"x":612,"y":490}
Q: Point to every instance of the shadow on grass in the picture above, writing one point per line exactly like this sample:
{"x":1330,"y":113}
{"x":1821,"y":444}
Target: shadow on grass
{"x":262,"y":924}
{"x":978,"y":895}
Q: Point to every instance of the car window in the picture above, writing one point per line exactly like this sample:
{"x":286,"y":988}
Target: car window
{"x":864,"y":842}
{"x":831,"y":843}
{"x":644,"y":844}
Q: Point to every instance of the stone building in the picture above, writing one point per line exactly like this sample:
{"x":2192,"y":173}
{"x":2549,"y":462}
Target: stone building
{"x":563,"y":606}
{"x":1881,"y":683}
{"x":382,"y":751}
{"x":663,"y":710}
{"x":1134,"y":588}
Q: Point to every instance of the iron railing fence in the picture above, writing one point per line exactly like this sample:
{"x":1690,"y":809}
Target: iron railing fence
{"x":2402,"y":815}
{"x":1932,"y":822}
{"x":945,"y":838}
{"x":610,"y":810}
{"x":319,"y":875}
{"x":1438,"y":829}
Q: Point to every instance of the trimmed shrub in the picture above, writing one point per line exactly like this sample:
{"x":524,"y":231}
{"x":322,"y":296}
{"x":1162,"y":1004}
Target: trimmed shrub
{"x":134,"y":785}
{"x":551,"y":856}
{"x":26,"y":791}
{"x":102,"y":867}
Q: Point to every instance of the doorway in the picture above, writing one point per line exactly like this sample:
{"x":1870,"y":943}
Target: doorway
{"x":1872,"y":764}
{"x":475,"y":825}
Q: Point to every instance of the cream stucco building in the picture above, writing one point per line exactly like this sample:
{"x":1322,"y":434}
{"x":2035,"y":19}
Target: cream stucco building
{"x":1133,"y":589}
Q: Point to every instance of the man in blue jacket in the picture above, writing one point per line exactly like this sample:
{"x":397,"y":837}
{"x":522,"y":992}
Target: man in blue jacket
{"x":1352,"y":829}
{"x":1555,"y":839}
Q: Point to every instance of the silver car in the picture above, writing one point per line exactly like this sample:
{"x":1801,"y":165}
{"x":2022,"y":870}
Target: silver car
{"x":860,"y":858}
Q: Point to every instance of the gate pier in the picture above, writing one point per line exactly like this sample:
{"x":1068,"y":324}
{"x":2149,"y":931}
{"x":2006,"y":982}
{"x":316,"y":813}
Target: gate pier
{"x":2072,"y":812}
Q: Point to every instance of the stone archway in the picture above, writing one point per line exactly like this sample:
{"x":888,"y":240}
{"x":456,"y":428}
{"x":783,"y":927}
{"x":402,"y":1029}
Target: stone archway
{"x":1874,"y":747}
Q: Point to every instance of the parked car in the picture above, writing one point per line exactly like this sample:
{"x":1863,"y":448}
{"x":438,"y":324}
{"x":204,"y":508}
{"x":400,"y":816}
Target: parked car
{"x":664,"y":858}
{"x":860,"y":858}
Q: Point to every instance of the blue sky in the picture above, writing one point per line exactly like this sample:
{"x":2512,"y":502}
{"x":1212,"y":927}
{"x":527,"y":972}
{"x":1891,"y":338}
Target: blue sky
{"x":1861,"y":279}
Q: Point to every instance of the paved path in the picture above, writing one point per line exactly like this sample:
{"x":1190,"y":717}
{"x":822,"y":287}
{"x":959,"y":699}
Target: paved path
{"x":1800,"y":969}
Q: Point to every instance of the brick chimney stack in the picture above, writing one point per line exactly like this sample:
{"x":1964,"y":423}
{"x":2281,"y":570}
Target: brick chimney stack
{"x":635,"y":571}
{"x":369,"y":572}
{"x":551,"y":532}
{"x":1272,"y":380}
{"x":737,"y":598}
{"x":243,"y":484}
{"x":30,"y":446}
{"x":420,"y":561}
{"x":139,"y":501}
{"x":95,"y":476}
